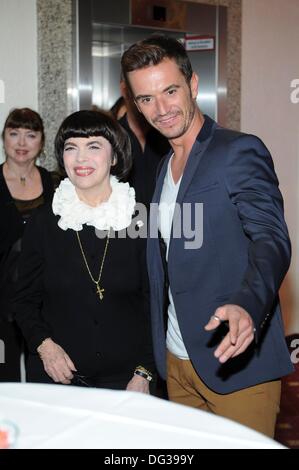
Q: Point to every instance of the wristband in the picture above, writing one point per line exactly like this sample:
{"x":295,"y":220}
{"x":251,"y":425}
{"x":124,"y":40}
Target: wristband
{"x":142,"y":372}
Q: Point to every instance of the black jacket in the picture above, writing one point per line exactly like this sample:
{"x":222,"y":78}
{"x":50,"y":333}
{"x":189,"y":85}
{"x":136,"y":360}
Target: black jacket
{"x":56,"y":298}
{"x":12,"y":226}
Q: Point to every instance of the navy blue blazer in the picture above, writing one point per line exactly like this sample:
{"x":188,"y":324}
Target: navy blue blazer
{"x":244,"y":256}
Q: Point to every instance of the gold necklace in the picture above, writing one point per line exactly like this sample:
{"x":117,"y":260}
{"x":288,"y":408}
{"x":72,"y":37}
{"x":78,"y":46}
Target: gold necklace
{"x":99,"y":290}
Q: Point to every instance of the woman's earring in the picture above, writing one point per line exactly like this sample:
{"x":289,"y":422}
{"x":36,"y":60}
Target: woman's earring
{"x":43,"y":155}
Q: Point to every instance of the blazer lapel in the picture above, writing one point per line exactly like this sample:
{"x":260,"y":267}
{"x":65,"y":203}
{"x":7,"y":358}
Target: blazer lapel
{"x":155,"y":266}
{"x":192,"y":164}
{"x":160,"y":179}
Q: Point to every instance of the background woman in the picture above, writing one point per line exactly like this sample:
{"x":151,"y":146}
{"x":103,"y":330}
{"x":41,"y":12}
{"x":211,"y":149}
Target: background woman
{"x":82,"y":299}
{"x":24,"y":186}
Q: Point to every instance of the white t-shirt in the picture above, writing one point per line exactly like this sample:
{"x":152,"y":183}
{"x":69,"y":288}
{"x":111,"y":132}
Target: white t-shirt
{"x":169,"y":194}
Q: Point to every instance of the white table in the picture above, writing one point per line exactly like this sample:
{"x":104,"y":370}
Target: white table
{"x":56,"y":416}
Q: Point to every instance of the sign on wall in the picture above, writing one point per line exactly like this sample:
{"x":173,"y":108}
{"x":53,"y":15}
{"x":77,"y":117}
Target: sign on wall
{"x":199,"y":43}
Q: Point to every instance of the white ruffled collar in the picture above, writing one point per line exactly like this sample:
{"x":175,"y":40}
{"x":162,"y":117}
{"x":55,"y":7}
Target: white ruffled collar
{"x":116,"y":213}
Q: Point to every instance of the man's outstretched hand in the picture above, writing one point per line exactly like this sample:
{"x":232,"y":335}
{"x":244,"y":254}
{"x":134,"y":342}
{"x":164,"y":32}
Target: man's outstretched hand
{"x":241,"y":331}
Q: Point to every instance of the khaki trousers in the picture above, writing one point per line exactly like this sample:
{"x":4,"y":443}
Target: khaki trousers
{"x":256,"y":407}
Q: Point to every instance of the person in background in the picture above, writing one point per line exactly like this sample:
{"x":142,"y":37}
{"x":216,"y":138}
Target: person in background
{"x":148,"y":149}
{"x":227,"y":248}
{"x":82,"y":296}
{"x":24,"y":186}
{"x":118,"y":109}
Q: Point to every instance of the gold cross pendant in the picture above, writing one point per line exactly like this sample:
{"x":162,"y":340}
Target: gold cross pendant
{"x":100,"y":292}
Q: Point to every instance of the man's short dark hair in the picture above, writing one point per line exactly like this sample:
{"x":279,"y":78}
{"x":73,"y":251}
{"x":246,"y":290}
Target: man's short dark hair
{"x":152,"y":51}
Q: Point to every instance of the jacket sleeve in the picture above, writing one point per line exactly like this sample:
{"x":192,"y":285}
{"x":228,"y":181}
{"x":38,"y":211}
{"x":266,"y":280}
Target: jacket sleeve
{"x":253,"y":188}
{"x":29,"y":289}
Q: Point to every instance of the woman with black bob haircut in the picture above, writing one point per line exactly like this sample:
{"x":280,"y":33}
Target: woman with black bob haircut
{"x":82,"y":297}
{"x":96,"y":123}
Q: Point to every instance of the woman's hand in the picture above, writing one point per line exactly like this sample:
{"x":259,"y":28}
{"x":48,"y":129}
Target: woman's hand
{"x":138,"y":384}
{"x":57,"y":363}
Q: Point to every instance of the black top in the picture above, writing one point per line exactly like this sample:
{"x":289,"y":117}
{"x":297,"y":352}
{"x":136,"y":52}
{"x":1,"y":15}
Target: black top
{"x":13,"y":216}
{"x":143,"y":173}
{"x":56,"y":298}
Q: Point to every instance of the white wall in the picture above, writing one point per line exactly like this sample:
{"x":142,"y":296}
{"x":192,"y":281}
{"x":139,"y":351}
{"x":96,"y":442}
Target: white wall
{"x":18,"y":56}
{"x":270,"y":61}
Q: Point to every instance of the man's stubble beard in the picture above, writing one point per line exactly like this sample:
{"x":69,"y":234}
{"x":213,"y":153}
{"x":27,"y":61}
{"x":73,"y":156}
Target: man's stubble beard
{"x":180,"y":132}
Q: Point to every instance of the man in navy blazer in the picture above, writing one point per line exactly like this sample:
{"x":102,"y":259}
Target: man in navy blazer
{"x":218,"y":245}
